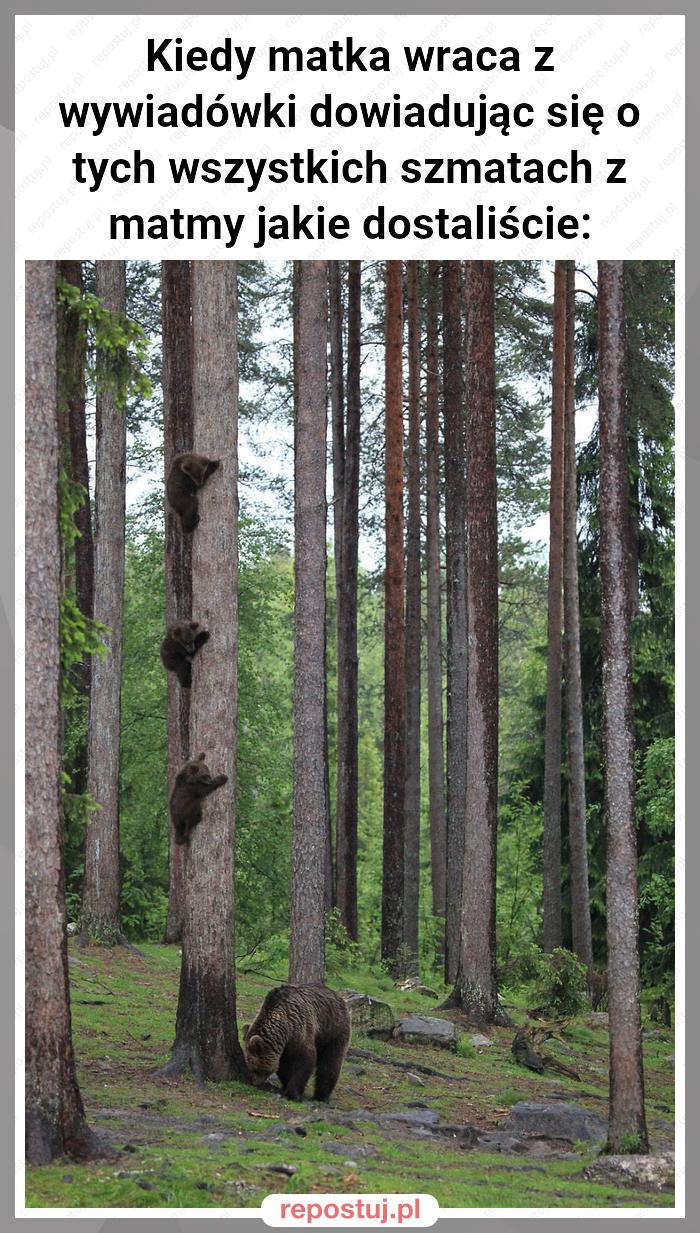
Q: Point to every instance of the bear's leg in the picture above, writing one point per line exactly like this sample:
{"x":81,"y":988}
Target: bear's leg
{"x":298,"y":1064}
{"x":330,"y":1060}
{"x":184,"y":673}
{"x":190,"y":518}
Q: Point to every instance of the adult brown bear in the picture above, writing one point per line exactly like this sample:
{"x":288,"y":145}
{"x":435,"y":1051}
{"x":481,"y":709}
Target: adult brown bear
{"x":188,"y":473}
{"x":298,"y":1029}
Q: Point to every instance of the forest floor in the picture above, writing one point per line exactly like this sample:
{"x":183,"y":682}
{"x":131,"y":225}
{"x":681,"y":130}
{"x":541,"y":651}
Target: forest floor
{"x":228,"y":1145}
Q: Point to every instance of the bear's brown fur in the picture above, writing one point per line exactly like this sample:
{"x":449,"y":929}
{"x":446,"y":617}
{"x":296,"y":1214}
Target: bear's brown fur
{"x":179,"y":647}
{"x":298,"y":1029}
{"x":192,"y":783}
{"x":188,"y":473}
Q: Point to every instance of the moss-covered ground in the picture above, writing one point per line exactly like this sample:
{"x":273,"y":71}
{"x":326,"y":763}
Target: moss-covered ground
{"x":180,"y":1146}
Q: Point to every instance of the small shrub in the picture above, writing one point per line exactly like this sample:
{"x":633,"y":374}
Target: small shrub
{"x":465,"y":1047}
{"x":560,"y":985}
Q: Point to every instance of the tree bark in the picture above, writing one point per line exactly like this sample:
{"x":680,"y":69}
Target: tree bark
{"x":176,"y":303}
{"x":436,"y":765}
{"x":456,"y":569}
{"x":551,"y":892}
{"x":337,"y":400}
{"x":72,"y":346}
{"x":578,"y":848}
{"x":347,"y":786}
{"x":475,"y":987}
{"x":627,"y":1130}
{"x":54,"y":1117}
{"x":394,"y":632}
{"x":100,"y":911}
{"x":206,"y":1036}
{"x":413,"y":627}
{"x":306,"y":947}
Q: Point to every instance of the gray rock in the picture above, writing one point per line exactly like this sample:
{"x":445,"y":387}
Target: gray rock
{"x":425,"y":1030}
{"x":412,"y":1117}
{"x":462,"y":1133}
{"x":647,"y":1172}
{"x":598,"y":1019}
{"x":427,"y":992}
{"x":370,"y":1015}
{"x":481,"y":1042}
{"x":556,"y":1121}
{"x":360,"y":1150}
{"x":415,"y":1079}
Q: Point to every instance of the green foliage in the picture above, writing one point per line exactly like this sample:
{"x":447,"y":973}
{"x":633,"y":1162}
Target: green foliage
{"x":519,"y":884}
{"x":119,"y":346}
{"x":560,"y":984}
{"x":341,"y":951}
{"x":656,"y":818}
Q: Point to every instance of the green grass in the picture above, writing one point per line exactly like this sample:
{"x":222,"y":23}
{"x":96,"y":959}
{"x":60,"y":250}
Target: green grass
{"x":161,"y":1128}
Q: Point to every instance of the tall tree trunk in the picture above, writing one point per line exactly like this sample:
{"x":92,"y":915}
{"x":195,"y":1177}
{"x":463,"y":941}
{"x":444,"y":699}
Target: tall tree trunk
{"x":337,"y":399}
{"x":578,"y":848}
{"x":176,"y":303}
{"x":54,"y":1116}
{"x":72,"y":347}
{"x":413,"y":626}
{"x":306,"y":944}
{"x":100,"y":911}
{"x":206,"y":1036}
{"x":436,"y":764}
{"x":347,"y":787}
{"x":551,"y":893}
{"x":456,"y":562}
{"x":394,"y":631}
{"x":475,"y":987}
{"x":627,"y":1129}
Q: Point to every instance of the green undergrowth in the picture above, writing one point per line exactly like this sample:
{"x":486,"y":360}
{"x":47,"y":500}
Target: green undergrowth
{"x":178,"y":1146}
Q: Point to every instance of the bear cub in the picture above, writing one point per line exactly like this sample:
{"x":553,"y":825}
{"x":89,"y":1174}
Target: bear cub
{"x":179,"y":647}
{"x":299,"y":1028}
{"x":192,"y":783}
{"x":187,"y":474}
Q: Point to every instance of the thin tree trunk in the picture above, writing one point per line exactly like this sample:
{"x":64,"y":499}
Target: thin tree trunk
{"x":551,"y":892}
{"x":306,"y":945}
{"x":176,"y":303}
{"x":347,"y":793}
{"x":100,"y":911}
{"x":436,"y":764}
{"x":475,"y":987}
{"x":627,"y":1131}
{"x":206,"y":1036}
{"x":337,"y":399}
{"x":394,"y":632}
{"x":413,"y":626}
{"x":54,"y":1117}
{"x":456,"y":563}
{"x":73,"y":346}
{"x":578,"y":848}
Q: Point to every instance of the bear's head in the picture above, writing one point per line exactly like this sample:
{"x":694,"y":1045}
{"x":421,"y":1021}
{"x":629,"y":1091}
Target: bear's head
{"x":185,"y":633}
{"x":261,"y":1057}
{"x":196,"y":771}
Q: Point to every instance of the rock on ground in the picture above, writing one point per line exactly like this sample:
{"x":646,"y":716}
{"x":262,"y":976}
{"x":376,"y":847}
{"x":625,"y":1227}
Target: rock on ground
{"x":648,"y":1172}
{"x":556,"y":1121}
{"x":425,"y":1030}
{"x":374,"y":1017}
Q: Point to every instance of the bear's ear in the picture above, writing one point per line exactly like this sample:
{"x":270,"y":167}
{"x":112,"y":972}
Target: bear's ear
{"x":200,"y":757}
{"x":193,"y":469}
{"x":256,"y":1044}
{"x":194,"y":625}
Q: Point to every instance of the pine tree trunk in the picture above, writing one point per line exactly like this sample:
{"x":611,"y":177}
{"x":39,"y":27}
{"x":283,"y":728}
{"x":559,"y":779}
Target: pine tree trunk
{"x":475,"y":987}
{"x":306,"y":945}
{"x":206,"y":1036}
{"x":413,"y":627}
{"x":456,"y":563}
{"x":436,"y":764}
{"x":100,"y":911}
{"x":394,"y":632}
{"x":578,"y":848}
{"x":176,"y":301}
{"x":54,"y":1117}
{"x":337,"y":400}
{"x":72,"y":346}
{"x":551,"y":893}
{"x":627,"y":1129}
{"x":347,"y":787}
